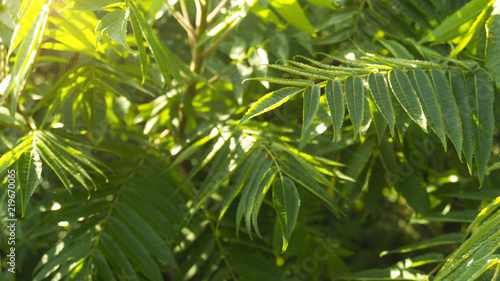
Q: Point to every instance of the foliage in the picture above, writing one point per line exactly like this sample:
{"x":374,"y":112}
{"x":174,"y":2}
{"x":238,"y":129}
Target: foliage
{"x":144,"y":133}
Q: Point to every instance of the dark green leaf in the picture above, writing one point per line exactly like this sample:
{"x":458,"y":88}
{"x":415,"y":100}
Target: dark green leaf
{"x":311,"y":105}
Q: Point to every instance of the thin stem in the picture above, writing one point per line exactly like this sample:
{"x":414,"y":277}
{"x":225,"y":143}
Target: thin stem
{"x":216,"y":11}
{"x":186,"y":25}
{"x":185,"y":13}
{"x":220,"y":39}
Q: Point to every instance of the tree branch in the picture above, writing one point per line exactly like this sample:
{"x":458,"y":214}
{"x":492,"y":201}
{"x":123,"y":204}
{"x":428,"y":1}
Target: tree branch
{"x":216,"y":11}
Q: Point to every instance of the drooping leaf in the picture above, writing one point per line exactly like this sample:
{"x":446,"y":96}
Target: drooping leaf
{"x":492,"y":62}
{"x":286,"y":203}
{"x":244,"y":172}
{"x":116,"y":257}
{"x":451,"y":116}
{"x":480,"y":99}
{"x":269,"y":102}
{"x":246,"y":190}
{"x":130,"y":243}
{"x":30,"y":172}
{"x":152,"y":240}
{"x":335,"y":100}
{"x":354,"y":94}
{"x":382,"y":98}
{"x":311,"y":105}
{"x":402,"y":89}
{"x":264,"y":169}
{"x":264,"y":186}
{"x":295,"y":171}
{"x":457,"y":85}
{"x":143,"y":57}
{"x":429,"y":101}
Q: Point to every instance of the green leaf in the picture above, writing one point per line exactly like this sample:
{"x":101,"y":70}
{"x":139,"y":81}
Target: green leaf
{"x":316,"y":73}
{"x":25,"y":58}
{"x":168,"y":63}
{"x":94,"y":113}
{"x":30,"y":172}
{"x":286,"y":202}
{"x":152,"y":241}
{"x":93,"y":4}
{"x":475,"y":251}
{"x":50,"y":159}
{"x":252,"y":194}
{"x":143,"y":57}
{"x":115,"y":256}
{"x":396,"y":49}
{"x":335,"y":100}
{"x":28,"y":16}
{"x":224,"y":166}
{"x":102,"y":266}
{"x":11,"y":156}
{"x":67,"y":253}
{"x":480,"y":98}
{"x":259,"y":198}
{"x":457,"y":86}
{"x":291,"y":11}
{"x":355,"y":167}
{"x":296,"y":172}
{"x":281,"y":81}
{"x":114,"y":25}
{"x":451,"y":116}
{"x":325,"y":67}
{"x":448,"y":29}
{"x":355,"y":97}
{"x":246,"y":190}
{"x":477,"y":26}
{"x":492,"y":62}
{"x":415,"y":194}
{"x":429,"y":102}
{"x":466,"y":216}
{"x":269,"y":102}
{"x":406,"y":96}
{"x":445,"y":239}
{"x":376,"y":183}
{"x":127,"y":240}
{"x":244,"y":172}
{"x":485,"y":213}
{"x":382,"y":98}
{"x":311,"y":105}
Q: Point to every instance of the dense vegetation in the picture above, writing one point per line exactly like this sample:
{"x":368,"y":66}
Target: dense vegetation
{"x":250,"y":139}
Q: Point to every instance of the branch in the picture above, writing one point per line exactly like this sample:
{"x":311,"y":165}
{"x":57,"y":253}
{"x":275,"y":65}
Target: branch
{"x":186,"y":25}
{"x":184,"y":10}
{"x":216,"y":11}
{"x":221,"y":38}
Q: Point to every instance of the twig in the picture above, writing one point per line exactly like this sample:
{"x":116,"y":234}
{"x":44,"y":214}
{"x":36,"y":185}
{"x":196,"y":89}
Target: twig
{"x":216,"y":11}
